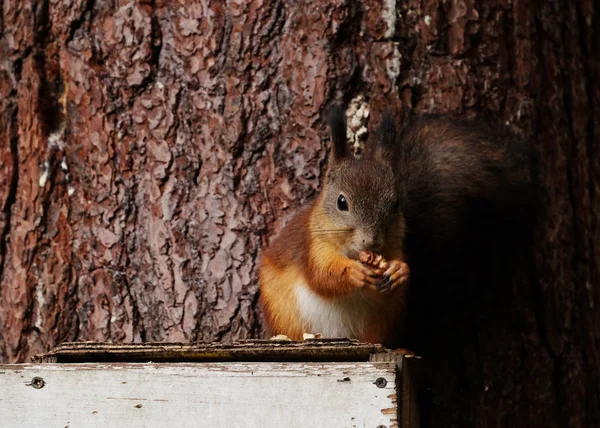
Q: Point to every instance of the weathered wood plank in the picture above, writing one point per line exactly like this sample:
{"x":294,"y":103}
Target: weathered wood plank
{"x":199,"y":395}
{"x":251,"y":350}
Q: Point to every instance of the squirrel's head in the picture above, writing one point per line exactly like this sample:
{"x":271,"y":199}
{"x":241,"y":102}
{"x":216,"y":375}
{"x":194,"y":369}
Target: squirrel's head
{"x":359,"y":204}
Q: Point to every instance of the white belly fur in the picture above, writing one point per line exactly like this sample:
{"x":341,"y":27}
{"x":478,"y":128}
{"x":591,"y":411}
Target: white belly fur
{"x":344,"y":317}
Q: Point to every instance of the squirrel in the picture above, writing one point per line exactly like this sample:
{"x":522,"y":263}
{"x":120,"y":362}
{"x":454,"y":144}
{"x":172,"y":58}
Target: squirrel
{"x":426,"y":197}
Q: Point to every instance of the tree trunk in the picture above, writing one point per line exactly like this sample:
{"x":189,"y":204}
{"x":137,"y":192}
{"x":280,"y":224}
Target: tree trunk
{"x":149,"y":149}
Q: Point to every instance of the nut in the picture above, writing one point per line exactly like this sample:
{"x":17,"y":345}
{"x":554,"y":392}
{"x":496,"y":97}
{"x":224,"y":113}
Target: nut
{"x":370,"y":258}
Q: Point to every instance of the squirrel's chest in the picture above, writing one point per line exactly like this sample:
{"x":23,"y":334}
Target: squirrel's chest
{"x":345,"y":317}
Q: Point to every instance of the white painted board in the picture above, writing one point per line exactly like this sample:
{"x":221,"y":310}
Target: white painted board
{"x":199,"y":395}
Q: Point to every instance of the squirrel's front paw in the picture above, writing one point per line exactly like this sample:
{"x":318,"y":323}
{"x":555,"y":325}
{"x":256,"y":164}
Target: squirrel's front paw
{"x":360,"y":275}
{"x":396,"y":274}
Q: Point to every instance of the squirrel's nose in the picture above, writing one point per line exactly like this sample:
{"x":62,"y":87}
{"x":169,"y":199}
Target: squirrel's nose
{"x":372,"y":243}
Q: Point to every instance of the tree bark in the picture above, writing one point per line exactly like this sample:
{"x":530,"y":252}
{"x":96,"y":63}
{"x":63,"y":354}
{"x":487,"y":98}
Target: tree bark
{"x":149,"y":149}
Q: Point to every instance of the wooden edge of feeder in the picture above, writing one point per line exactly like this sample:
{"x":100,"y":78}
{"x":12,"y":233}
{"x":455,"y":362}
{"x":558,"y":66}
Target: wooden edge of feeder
{"x":248,"y":350}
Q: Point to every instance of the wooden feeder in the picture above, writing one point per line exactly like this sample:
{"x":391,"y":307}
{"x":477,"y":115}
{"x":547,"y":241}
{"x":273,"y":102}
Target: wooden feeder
{"x":256,"y":383}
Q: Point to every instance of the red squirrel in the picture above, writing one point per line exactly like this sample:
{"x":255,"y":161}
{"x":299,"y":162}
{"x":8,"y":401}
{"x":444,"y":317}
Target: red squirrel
{"x":339,"y":268}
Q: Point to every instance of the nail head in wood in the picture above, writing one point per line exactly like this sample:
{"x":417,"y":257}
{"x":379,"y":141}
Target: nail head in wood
{"x":37,"y":382}
{"x":380,"y":382}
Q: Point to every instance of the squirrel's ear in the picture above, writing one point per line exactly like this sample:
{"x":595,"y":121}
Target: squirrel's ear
{"x":385,"y":138}
{"x":337,"y":126}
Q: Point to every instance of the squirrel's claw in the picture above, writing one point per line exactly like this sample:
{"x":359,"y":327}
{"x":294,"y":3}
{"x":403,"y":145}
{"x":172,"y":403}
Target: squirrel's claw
{"x":396,"y":274}
{"x":385,"y":283}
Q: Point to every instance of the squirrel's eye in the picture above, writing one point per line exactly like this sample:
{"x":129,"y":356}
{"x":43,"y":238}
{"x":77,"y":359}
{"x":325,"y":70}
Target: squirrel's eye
{"x":342,"y":204}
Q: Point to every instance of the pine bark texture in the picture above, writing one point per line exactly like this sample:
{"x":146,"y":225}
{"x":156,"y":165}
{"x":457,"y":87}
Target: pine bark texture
{"x":149,"y":149}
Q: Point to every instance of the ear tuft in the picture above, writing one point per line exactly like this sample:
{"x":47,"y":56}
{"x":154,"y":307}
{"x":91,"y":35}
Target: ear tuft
{"x":387,"y":135}
{"x":337,"y":125}
{"x":381,"y":146}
